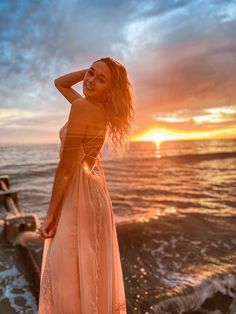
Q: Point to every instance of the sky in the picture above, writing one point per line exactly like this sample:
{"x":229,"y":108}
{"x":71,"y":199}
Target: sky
{"x":180,"y":56}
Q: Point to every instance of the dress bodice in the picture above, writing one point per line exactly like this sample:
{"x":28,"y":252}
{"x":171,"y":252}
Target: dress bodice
{"x":89,"y":148}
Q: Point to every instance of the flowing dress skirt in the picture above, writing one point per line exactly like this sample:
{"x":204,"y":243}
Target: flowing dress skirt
{"x":81,"y":269}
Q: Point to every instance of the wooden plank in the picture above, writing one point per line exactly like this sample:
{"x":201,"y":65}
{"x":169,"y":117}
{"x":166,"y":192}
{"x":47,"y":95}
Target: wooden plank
{"x":4,"y":179}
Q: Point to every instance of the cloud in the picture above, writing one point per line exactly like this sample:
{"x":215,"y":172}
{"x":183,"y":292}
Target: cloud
{"x":179,"y":54}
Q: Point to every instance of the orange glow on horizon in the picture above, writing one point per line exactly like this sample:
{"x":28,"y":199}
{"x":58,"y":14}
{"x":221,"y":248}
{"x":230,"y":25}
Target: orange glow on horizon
{"x":155,"y":135}
{"x":158,"y":135}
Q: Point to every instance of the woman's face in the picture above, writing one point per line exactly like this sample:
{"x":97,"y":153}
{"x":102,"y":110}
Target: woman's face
{"x":97,"y":82}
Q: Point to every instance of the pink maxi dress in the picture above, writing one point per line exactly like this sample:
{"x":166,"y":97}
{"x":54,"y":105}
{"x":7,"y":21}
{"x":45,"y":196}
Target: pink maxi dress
{"x":81,"y":270}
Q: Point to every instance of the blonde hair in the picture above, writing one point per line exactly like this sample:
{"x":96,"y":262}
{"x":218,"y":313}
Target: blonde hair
{"x":119,"y":105}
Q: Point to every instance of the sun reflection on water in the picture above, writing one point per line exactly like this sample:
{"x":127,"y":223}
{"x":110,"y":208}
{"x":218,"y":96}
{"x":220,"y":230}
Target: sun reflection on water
{"x":158,"y":149}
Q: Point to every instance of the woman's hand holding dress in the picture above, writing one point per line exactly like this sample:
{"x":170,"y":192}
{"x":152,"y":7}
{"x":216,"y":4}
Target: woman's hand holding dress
{"x":48,"y":228}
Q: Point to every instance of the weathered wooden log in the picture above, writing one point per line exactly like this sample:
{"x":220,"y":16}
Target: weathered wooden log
{"x":19,"y":223}
{"x":4,"y":179}
{"x":19,"y":230}
{"x":28,"y":258}
{"x":8,"y":197}
{"x":10,"y":201}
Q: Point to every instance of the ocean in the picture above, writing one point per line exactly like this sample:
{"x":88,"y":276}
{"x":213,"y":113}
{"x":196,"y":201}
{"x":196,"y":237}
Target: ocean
{"x":176,"y":206}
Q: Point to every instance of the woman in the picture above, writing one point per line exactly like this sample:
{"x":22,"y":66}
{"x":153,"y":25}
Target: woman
{"x":81,"y":269}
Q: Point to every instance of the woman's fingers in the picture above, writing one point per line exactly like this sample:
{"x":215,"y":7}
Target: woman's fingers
{"x":49,"y":234}
{"x":43,"y":234}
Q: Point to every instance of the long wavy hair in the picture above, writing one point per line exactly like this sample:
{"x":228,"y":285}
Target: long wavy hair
{"x":119,"y":105}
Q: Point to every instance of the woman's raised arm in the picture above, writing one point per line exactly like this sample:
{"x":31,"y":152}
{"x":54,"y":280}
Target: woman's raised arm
{"x":64,"y":83}
{"x":70,"y":79}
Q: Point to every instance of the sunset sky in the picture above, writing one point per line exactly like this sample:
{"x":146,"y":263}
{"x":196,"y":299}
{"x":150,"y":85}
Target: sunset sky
{"x":180,"y":55}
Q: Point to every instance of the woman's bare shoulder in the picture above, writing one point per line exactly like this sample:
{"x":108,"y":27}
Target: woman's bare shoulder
{"x":89,"y":112}
{"x":82,"y":105}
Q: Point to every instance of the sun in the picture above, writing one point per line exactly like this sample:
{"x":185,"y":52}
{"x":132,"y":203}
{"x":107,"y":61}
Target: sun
{"x":155,"y":135}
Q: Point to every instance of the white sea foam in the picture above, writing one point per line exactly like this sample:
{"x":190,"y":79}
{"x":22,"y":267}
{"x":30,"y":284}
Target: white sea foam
{"x":193,"y":300}
{"x":13,"y":285}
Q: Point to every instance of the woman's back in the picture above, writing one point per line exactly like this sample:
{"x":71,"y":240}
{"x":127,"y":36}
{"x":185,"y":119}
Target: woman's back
{"x":95,"y":134}
{"x":89,"y":143}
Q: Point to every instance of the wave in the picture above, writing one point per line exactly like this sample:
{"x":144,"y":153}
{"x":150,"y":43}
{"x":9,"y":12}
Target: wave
{"x":199,"y":297}
{"x":180,"y":263}
{"x":201,"y":157}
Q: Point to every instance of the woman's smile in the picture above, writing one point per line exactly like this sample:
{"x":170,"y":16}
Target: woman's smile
{"x":89,"y":88}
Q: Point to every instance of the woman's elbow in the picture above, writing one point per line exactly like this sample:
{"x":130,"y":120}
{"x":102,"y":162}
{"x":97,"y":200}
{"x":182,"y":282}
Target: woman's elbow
{"x":56,"y":82}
